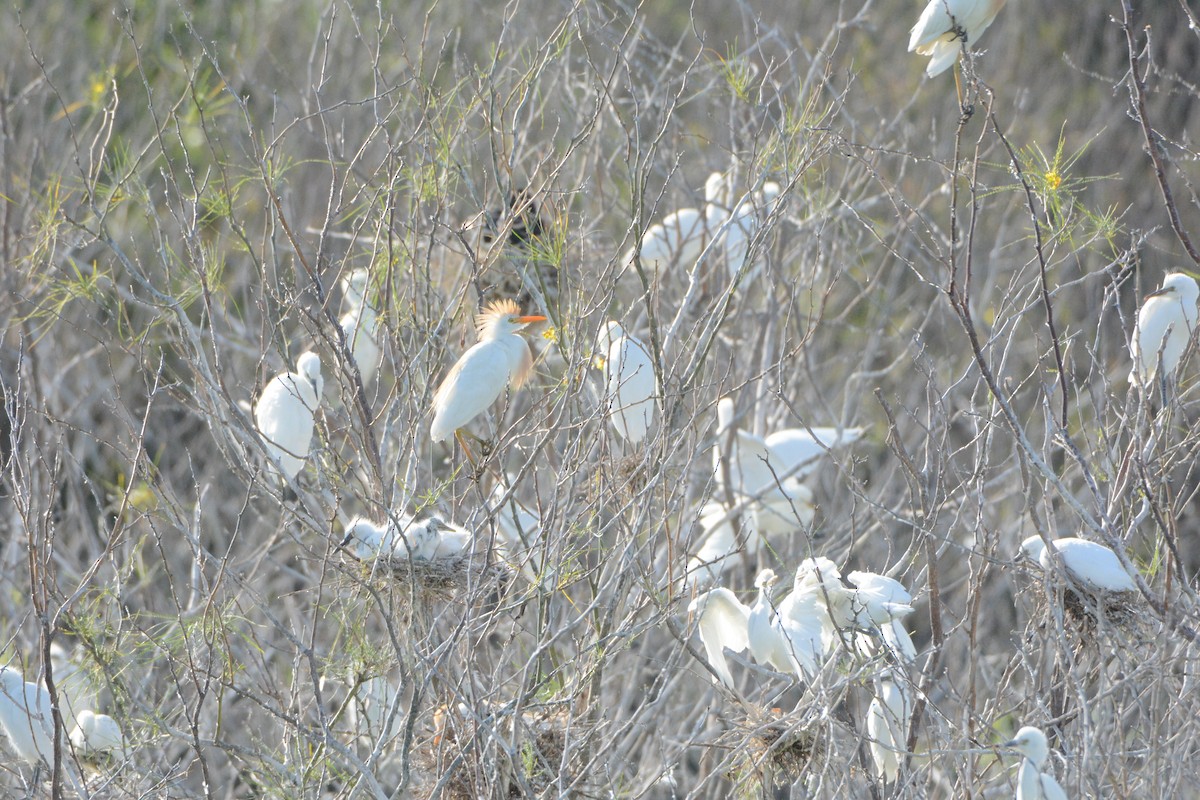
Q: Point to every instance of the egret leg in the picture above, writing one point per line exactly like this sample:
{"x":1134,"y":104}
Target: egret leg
{"x":458,"y":434}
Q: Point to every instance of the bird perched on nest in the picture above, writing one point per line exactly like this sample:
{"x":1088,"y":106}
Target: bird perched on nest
{"x":1032,"y":782}
{"x":500,"y":358}
{"x":629,"y":381}
{"x":1165,"y":323}
{"x":285,"y":414}
{"x":1089,"y":565}
{"x":426,"y":540}
{"x":947,"y":26}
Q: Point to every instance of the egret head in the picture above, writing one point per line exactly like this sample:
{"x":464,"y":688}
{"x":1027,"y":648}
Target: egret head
{"x":726,"y":411}
{"x":309,"y":366}
{"x":818,"y":571}
{"x":364,"y":536}
{"x":1181,"y":286}
{"x":1032,"y":548}
{"x":1031,"y":743}
{"x":765,"y":580}
{"x":502,"y":317}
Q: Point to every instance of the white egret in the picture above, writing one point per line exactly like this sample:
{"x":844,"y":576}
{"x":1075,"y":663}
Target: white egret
{"x":873,"y":587}
{"x":946,"y":26}
{"x":284,"y":414}
{"x":723,"y":622}
{"x":682,"y":235}
{"x":761,"y":522}
{"x":789,"y":642}
{"x":853,"y":614}
{"x":519,"y":537}
{"x":72,"y":684}
{"x":887,"y":723}
{"x":1032,"y":783}
{"x":96,"y":733}
{"x":416,"y":540}
{"x":629,"y":381}
{"x":798,"y":449}
{"x":360,"y":324}
{"x":1164,"y":327}
{"x":500,"y":358}
{"x":26,"y":717}
{"x":1089,"y":565}
{"x":446,"y":540}
{"x":744,"y":223}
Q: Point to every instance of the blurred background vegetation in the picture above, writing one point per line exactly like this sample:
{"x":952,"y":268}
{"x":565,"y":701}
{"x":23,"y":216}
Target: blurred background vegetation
{"x":184,"y":184}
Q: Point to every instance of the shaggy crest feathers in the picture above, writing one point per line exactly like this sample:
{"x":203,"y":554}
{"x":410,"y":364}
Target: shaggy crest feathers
{"x":497,"y":308}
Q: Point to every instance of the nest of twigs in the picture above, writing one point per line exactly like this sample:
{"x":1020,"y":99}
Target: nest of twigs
{"x":777,"y":749}
{"x":441,"y":578}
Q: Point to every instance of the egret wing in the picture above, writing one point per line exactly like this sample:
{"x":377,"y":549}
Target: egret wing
{"x":723,"y":623}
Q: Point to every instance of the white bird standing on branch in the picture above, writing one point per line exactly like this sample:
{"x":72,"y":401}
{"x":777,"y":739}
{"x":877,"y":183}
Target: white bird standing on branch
{"x":1032,"y":783}
{"x":500,"y":358}
{"x":26,"y":717}
{"x":360,"y":324}
{"x":947,"y":26}
{"x":1164,"y":327}
{"x":873,"y":587}
{"x":788,"y":638}
{"x":285,"y":413}
{"x":887,"y":724}
{"x":1089,"y":565}
{"x":630,"y":385}
{"x":682,"y":235}
{"x":723,"y":622}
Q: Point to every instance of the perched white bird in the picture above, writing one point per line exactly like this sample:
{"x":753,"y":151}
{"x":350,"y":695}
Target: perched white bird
{"x":682,"y":235}
{"x":285,"y":412}
{"x":946,"y":26}
{"x":853,"y":615}
{"x":72,"y":684}
{"x":447,"y":540}
{"x":96,"y":733}
{"x":1164,"y":327}
{"x":26,"y":717}
{"x":723,"y":622}
{"x":744,"y":223}
{"x":788,"y":639}
{"x":629,"y":381}
{"x":798,"y":449}
{"x":360,"y":324}
{"x":1032,"y":783}
{"x":519,"y":538}
{"x":887,"y":723}
{"x":762,"y":522}
{"x":1089,"y":565}
{"x":500,"y":358}
{"x":873,"y":587}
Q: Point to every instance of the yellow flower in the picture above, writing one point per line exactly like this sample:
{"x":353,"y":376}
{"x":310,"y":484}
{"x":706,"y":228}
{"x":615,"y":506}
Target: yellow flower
{"x":1053,"y":180}
{"x":550,"y":335}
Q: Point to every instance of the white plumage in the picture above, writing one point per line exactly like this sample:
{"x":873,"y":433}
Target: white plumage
{"x":629,"y":382}
{"x":682,"y":235}
{"x":26,"y":717}
{"x":422,"y":540}
{"x":723,"y":622}
{"x":1089,"y":565}
{"x":96,"y":733}
{"x":875,"y":588}
{"x":946,"y":25}
{"x":887,"y":723}
{"x":798,"y":449}
{"x":1164,"y":327}
{"x":500,"y":358}
{"x":360,"y":324}
{"x":1032,"y":782}
{"x":762,"y":522}
{"x":788,"y":639}
{"x":285,"y":414}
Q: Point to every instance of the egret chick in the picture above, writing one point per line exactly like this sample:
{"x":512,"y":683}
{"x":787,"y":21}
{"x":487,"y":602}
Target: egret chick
{"x":629,"y":382}
{"x":1089,"y":565}
{"x":26,"y":717}
{"x":500,"y":358}
{"x":723,"y":623}
{"x":887,"y":723}
{"x":1164,"y":327}
{"x":96,"y":733}
{"x":369,"y":540}
{"x":1032,"y":783}
{"x":888,"y":590}
{"x":285,"y":413}
{"x":442,"y":540}
{"x":946,"y":26}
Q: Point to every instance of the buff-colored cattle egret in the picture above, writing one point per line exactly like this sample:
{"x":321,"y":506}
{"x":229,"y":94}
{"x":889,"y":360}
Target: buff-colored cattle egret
{"x":519,"y":537}
{"x":887,"y":722}
{"x":500,"y":358}
{"x":723,"y":621}
{"x":747,"y":219}
{"x":629,"y":382}
{"x":96,"y":733}
{"x":1089,"y":565}
{"x":360,"y":324}
{"x":787,"y":639}
{"x":1032,"y":782}
{"x":26,"y":717}
{"x":683,"y":235}
{"x":285,"y":414}
{"x":946,"y":26}
{"x":1164,"y":327}
{"x":880,"y":588}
